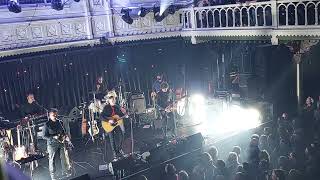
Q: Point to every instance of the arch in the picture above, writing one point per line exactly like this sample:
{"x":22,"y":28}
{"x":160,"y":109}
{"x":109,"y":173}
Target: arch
{"x":237,"y":17}
{"x":210,"y":18}
{"x":216,"y":17}
{"x":301,"y":13}
{"x":252,"y":15}
{"x":244,"y":16}
{"x":318,"y":13}
{"x":267,"y":15}
{"x":282,"y":10}
{"x":230,"y":16}
{"x":223,"y":17}
{"x":260,"y":16}
{"x":311,"y":13}
{"x":204,"y":18}
{"x":291,"y":14}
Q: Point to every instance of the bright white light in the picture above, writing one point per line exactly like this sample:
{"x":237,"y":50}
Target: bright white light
{"x":237,"y":119}
{"x":164,"y":5}
{"x":197,"y":108}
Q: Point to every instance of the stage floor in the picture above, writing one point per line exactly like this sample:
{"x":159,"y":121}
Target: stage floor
{"x":88,"y":156}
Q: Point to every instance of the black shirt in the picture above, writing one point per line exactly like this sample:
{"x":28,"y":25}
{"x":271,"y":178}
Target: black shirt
{"x":51,"y":129}
{"x":30,"y":109}
{"x":163,"y":99}
{"x":109,"y":111}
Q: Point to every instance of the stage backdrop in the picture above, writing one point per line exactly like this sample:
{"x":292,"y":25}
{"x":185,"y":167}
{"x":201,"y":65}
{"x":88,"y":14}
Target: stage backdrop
{"x":65,"y":78}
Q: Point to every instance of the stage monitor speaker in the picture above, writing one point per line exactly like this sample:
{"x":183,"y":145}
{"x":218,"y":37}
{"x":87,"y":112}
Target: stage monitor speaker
{"x":176,"y":148}
{"x":126,"y":165}
{"x":82,"y":177}
{"x":138,"y":103}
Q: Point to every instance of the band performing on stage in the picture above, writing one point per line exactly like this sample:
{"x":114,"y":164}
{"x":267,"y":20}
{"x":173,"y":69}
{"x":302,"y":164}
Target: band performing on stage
{"x":109,"y":115}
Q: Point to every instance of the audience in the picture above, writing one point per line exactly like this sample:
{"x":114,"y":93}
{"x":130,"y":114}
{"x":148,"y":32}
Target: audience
{"x":183,"y":175}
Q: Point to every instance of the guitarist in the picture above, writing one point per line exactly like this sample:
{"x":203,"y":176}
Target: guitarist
{"x":117,"y":135}
{"x":55,"y":135}
{"x":164,"y":99}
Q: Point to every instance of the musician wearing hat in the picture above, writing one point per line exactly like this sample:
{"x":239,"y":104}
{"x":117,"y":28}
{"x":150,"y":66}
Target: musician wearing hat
{"x":56,"y":137}
{"x":110,"y":115}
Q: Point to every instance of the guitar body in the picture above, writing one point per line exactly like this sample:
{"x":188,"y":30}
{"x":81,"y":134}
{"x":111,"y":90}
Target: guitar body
{"x":108,"y":127}
{"x":20,"y":153}
{"x":93,"y":129}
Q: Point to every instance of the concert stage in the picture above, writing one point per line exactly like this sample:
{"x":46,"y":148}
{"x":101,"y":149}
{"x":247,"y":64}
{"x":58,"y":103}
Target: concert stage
{"x":93,"y":158}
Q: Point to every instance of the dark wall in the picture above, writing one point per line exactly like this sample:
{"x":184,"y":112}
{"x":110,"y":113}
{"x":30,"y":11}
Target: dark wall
{"x":64,"y":78}
{"x":311,"y":73}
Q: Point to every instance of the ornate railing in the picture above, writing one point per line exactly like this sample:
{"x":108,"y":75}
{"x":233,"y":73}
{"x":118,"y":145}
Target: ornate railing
{"x":87,"y":21}
{"x":270,"y":14}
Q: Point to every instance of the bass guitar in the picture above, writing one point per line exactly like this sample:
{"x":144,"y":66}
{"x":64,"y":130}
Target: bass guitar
{"x":117,"y":121}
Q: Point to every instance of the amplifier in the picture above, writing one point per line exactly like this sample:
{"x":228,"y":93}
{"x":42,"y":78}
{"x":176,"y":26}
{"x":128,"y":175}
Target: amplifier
{"x":138,"y":103}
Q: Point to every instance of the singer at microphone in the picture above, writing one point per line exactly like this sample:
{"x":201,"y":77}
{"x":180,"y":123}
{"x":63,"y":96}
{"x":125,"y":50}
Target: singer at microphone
{"x":53,"y":130}
{"x":31,"y":107}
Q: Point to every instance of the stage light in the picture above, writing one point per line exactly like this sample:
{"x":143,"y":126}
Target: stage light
{"x":197,"y":108}
{"x":172,"y":9}
{"x":142,"y":12}
{"x":14,"y":6}
{"x":236,"y":119}
{"x":126,"y":16}
{"x":157,"y":15}
{"x":57,"y":5}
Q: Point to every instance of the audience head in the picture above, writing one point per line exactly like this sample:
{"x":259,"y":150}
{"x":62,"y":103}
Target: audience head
{"x":294,"y":175}
{"x":232,"y":159}
{"x":183,"y":175}
{"x":221,"y":164}
{"x":213,"y":151}
{"x":278,"y":174}
{"x":255,"y":136}
{"x":237,"y":150}
{"x":263,"y":141}
{"x":264,"y":155}
{"x":240,"y":168}
{"x":206,"y":159}
{"x":170,"y":170}
{"x":267,"y":131}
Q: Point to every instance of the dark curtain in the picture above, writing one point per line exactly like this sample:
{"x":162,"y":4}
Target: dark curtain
{"x":64,"y":78}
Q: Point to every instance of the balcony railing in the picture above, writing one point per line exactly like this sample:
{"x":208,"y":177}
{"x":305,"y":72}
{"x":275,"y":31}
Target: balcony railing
{"x":253,"y":15}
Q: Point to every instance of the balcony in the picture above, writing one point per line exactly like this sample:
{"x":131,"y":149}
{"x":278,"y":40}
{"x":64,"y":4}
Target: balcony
{"x":38,"y":27}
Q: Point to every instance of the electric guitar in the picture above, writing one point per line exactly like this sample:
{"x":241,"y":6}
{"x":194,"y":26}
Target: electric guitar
{"x":20,"y":151}
{"x":93,"y":126}
{"x":64,"y":139}
{"x":117,"y":121}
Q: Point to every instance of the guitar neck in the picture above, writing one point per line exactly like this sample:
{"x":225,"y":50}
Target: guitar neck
{"x":30,"y":131}
{"x":18,"y":136}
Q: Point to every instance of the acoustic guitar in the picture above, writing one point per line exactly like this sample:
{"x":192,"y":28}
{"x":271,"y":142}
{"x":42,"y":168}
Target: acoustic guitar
{"x":109,"y":127}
